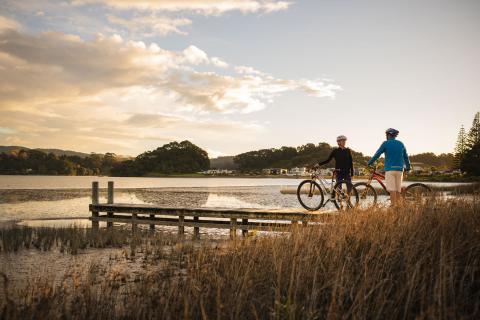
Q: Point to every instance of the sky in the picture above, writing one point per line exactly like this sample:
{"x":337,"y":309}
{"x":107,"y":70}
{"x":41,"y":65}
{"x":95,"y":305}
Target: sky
{"x":232,"y":76}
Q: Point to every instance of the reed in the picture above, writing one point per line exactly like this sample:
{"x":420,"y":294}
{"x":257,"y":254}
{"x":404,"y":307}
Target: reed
{"x":402,"y":263}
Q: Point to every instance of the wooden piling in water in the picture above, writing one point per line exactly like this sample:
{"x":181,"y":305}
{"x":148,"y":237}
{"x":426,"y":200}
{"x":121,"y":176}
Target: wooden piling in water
{"x":181,"y":227}
{"x":95,"y":200}
{"x":134,"y":222}
{"x":152,"y":226}
{"x":110,"y":201}
{"x":245,"y":231}
{"x":196,"y":230}
{"x":233,"y":228}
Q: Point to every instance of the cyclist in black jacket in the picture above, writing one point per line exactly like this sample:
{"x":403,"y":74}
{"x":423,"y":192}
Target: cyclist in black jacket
{"x":343,"y":160}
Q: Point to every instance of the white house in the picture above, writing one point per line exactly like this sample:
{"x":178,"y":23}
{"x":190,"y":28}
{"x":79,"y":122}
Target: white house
{"x":302,"y":171}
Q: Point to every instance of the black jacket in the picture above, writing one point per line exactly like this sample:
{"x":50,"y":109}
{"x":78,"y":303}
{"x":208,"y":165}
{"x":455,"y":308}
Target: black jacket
{"x":343,"y":159}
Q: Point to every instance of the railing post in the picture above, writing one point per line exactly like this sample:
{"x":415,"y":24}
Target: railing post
{"x":152,"y":226}
{"x":95,"y":223}
{"x":294,"y":224}
{"x":110,"y":201}
{"x":181,"y":227}
{"x":134,"y":223}
{"x":196,"y":230}
{"x":233,"y":228}
{"x":244,"y":231}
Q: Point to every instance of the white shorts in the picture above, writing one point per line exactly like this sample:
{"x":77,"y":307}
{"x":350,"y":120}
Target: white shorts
{"x":393,"y":180}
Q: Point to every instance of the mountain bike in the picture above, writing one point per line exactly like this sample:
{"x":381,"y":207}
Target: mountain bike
{"x":414,"y":193}
{"x":311,"y":192}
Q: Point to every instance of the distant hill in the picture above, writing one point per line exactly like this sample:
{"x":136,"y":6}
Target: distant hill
{"x":223,"y":163}
{"x":57,"y":152}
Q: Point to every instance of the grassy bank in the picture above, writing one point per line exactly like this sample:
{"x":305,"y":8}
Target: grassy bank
{"x":395,"y":264}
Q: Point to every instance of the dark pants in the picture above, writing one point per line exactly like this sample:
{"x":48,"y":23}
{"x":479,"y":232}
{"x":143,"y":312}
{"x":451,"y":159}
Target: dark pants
{"x":344,"y":175}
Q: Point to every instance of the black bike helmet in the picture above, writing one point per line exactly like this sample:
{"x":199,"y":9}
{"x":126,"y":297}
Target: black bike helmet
{"x":392,"y":132}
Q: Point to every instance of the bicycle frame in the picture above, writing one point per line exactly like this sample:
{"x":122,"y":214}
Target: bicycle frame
{"x":323,"y":184}
{"x":377,"y":176}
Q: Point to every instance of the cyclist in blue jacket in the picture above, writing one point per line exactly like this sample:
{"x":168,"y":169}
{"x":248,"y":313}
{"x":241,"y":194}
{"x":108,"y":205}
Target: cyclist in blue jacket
{"x":396,"y":160}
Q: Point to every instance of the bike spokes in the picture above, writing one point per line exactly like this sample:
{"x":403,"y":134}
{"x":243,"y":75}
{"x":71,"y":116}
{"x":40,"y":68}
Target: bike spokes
{"x":310,"y":195}
{"x":367,"y":196}
{"x":417,"y":193}
{"x":345,"y":196}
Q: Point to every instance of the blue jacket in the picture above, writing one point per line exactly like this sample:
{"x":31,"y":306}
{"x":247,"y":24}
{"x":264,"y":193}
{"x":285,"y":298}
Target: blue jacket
{"x":396,"y":157}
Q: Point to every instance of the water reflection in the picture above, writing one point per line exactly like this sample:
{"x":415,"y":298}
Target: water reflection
{"x":45,"y":204}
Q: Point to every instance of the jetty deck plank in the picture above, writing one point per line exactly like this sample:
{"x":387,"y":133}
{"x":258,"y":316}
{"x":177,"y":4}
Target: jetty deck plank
{"x":239,"y":213}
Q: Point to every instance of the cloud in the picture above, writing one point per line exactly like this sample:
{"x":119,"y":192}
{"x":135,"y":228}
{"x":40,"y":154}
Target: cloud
{"x":106,"y":91}
{"x":210,"y":7}
{"x":8,"y":24}
{"x":219,"y":62}
{"x":152,"y":25}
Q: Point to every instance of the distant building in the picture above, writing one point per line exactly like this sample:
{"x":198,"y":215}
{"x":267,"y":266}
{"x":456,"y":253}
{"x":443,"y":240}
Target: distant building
{"x":218,"y":172}
{"x":274,"y":171}
{"x":302,"y":171}
{"x":419,"y":168}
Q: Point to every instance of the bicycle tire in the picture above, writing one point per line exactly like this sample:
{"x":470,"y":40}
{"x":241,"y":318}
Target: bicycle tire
{"x":368,"y":190}
{"x":417,"y":190}
{"x":320,"y":193}
{"x":350,"y":205}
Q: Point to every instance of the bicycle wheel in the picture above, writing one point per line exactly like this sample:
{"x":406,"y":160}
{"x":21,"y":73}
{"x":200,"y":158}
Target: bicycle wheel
{"x":345,"y":195}
{"x":310,"y":195}
{"x":367,"y":195}
{"x":417,"y":193}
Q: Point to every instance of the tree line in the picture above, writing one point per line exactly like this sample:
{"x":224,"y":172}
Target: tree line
{"x":289,"y":157}
{"x":467,"y":148}
{"x":41,"y":163}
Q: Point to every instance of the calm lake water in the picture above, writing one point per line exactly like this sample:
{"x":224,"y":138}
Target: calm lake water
{"x":65,"y":197}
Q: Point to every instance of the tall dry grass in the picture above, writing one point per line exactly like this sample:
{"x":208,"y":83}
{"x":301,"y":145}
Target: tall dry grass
{"x":396,"y":264}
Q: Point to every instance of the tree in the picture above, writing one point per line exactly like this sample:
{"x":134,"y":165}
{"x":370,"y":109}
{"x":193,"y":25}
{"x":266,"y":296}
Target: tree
{"x":471,"y":161}
{"x":172,"y":158}
{"x":473,"y":136}
{"x":460,"y":147}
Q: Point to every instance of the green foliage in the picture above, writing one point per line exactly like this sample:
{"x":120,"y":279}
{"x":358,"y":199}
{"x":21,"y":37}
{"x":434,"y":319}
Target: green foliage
{"x":442,"y":161}
{"x":473,"y":136}
{"x":469,"y":160}
{"x":460,"y":147}
{"x":173,"y":158}
{"x":289,"y":157}
{"x":41,"y":163}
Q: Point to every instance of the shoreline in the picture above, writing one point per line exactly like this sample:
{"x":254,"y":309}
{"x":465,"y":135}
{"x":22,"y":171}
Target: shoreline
{"x":409,"y":178}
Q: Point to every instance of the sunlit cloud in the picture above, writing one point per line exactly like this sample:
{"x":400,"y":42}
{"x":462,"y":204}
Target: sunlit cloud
{"x":152,"y":25}
{"x":199,"y":6}
{"x":8,"y":23}
{"x":110,"y":92}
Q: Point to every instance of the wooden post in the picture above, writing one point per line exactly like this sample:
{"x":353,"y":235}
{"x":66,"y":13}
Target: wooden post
{"x":134,"y":223}
{"x":152,"y":226}
{"x":95,"y":201}
{"x":294,"y":224}
{"x":244,"y":231}
{"x":181,"y":227}
{"x":110,"y":201}
{"x":196,"y":230}
{"x":233,"y":228}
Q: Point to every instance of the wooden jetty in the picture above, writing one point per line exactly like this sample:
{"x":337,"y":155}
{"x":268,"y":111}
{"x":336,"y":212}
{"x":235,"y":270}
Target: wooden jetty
{"x":222,"y":218}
